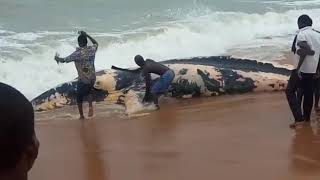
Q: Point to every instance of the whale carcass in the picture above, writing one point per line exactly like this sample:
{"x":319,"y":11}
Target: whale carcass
{"x":199,"y":76}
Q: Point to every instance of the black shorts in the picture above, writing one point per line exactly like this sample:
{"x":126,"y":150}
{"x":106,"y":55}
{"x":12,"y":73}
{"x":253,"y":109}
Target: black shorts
{"x":83,"y":90}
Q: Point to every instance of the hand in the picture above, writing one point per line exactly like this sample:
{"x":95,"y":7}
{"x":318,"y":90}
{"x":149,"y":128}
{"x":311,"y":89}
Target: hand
{"x":299,"y":74}
{"x":317,"y":75}
{"x":144,"y":99}
{"x":56,"y":57}
{"x":147,"y":97}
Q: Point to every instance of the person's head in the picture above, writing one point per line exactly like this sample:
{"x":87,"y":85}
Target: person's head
{"x":139,"y":60}
{"x":18,"y":142}
{"x":304,"y":21}
{"x":82,"y":40}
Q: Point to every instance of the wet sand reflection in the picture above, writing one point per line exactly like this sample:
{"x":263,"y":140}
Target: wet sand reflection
{"x":232,"y":137}
{"x":94,"y":164}
{"x":306,"y":151}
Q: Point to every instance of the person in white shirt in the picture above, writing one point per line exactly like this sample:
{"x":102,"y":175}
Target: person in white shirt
{"x":306,"y":62}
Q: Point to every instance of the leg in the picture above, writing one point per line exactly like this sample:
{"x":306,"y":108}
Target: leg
{"x":293,"y":101}
{"x":161,"y":86}
{"x":300,"y":96}
{"x":80,"y":99}
{"x":307,"y":86}
{"x":155,"y":91}
{"x":156,"y":100}
{"x":90,"y":114}
{"x":316,"y":94}
{"x":80,"y":111}
{"x":87,"y":91}
{"x":79,"y":102}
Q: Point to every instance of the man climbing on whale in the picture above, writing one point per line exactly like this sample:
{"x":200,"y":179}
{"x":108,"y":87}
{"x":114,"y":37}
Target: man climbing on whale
{"x":84,"y":58}
{"x":160,"y":86}
{"x":148,"y":66}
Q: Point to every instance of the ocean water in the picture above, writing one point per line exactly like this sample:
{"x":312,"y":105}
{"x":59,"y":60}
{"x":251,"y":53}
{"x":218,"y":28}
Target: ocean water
{"x":32,"y":31}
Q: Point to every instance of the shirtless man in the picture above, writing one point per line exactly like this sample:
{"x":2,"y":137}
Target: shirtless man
{"x":161,"y":86}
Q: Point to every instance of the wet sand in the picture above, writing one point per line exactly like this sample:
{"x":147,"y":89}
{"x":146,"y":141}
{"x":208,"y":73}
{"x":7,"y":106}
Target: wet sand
{"x":227,"y":137}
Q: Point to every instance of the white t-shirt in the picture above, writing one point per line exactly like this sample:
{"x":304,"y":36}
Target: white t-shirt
{"x":313,"y":39}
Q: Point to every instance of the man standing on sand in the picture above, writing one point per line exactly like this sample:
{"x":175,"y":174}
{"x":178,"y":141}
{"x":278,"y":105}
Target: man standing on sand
{"x":83,"y":58}
{"x":307,"y":58}
{"x":161,"y":86}
{"x":18,"y":142}
{"x":316,"y":79}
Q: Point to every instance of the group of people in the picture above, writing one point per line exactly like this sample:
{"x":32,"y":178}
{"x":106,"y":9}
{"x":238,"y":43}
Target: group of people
{"x":84,"y":58}
{"x":302,"y":90}
{"x":303,"y":85}
{"x":19,"y":144}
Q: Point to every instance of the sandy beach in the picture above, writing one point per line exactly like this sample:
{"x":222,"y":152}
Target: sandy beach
{"x":218,"y":49}
{"x":228,"y":137}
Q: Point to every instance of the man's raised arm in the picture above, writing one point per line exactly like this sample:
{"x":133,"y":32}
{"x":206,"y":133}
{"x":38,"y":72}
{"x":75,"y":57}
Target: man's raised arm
{"x":91,"y":38}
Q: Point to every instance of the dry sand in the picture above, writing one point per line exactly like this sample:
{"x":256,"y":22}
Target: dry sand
{"x":227,"y":137}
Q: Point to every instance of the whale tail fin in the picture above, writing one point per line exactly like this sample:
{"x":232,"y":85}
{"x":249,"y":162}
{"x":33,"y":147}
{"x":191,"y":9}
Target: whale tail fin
{"x":138,"y":70}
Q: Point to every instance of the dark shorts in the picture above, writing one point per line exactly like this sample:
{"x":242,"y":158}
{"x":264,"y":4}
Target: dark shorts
{"x":83,"y":90}
{"x":162,"y":85}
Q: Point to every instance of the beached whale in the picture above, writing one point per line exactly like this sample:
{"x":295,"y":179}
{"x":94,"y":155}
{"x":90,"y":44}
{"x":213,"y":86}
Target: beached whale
{"x":199,"y":76}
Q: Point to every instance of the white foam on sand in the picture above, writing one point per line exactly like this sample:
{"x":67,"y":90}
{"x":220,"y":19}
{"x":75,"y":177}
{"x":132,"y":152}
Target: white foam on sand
{"x":134,"y":105}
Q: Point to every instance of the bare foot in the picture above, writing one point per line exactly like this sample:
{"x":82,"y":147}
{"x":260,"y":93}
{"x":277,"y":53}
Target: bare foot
{"x":297,"y":125}
{"x":90,"y":114}
{"x":81,"y":118}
